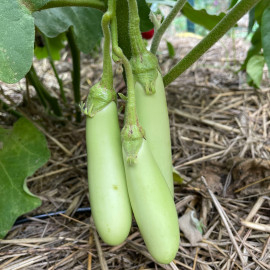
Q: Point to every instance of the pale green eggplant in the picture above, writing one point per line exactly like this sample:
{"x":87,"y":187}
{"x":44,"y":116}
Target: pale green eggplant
{"x":153,"y":116}
{"x":152,"y":205}
{"x":106,"y":176}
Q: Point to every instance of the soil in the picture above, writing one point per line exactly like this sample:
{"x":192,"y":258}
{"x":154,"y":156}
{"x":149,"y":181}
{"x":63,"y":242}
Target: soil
{"x":220,"y":131}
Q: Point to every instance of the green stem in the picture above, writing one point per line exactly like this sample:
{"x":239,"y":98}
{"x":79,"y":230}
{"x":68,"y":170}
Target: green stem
{"x":166,"y":23}
{"x":132,"y":133}
{"x":131,"y":114}
{"x":9,"y":109}
{"x":60,"y":82}
{"x":30,"y":77}
{"x":76,"y":77}
{"x":43,"y":93}
{"x":136,"y":41}
{"x":107,"y":76}
{"x":216,"y":33}
{"x":98,"y":4}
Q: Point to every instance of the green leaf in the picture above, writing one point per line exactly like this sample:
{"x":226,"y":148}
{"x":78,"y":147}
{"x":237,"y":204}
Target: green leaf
{"x":17,"y":40}
{"x":144,"y":11}
{"x":85,"y":21}
{"x":259,"y":9}
{"x":122,"y":23}
{"x":177,"y":177}
{"x":24,"y":150}
{"x":201,"y":17}
{"x":255,"y":69}
{"x":256,"y":45}
{"x":55,"y":44}
{"x":170,"y":49}
{"x":266,"y":36}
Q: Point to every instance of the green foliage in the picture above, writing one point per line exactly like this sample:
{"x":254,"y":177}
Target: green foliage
{"x":55,"y":46}
{"x":255,"y":69}
{"x":145,"y":23}
{"x":86,"y":23}
{"x":17,"y":40}
{"x":122,"y":23}
{"x":170,"y":49}
{"x":266,"y":36}
{"x":255,"y":48}
{"x":177,"y":177}
{"x":260,"y":40}
{"x":201,"y":16}
{"x":23,"y":150}
{"x":259,"y":9}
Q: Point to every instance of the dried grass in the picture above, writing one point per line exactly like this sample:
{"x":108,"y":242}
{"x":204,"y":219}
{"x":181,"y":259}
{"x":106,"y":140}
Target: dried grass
{"x":215,"y":117}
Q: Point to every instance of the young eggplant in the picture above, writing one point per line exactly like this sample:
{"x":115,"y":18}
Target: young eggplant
{"x":153,"y":116}
{"x":106,"y":173}
{"x":151,"y":200}
{"x":106,"y":176}
{"x":152,"y":205}
{"x":150,"y":98}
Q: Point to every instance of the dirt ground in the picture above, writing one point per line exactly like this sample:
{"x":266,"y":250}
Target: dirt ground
{"x":220,"y":131}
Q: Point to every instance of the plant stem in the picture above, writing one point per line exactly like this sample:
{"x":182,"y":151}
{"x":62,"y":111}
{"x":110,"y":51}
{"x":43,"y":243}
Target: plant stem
{"x":98,"y":4}
{"x":9,"y":109}
{"x":216,"y":33}
{"x":30,"y":78}
{"x":132,"y":133}
{"x":60,"y":82}
{"x":136,"y":41}
{"x":131,"y":114}
{"x":107,"y":76}
{"x":42,"y":92}
{"x":166,"y":23}
{"x":76,"y":73}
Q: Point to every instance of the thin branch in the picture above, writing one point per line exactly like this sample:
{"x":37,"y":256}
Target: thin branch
{"x":76,"y":78}
{"x":166,"y":23}
{"x":60,"y":82}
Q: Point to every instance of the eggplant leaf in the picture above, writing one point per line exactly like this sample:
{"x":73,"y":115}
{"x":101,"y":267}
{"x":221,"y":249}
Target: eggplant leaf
{"x":23,"y":150}
{"x":265,"y":31}
{"x":170,"y":49}
{"x":55,"y":45}
{"x":17,"y":34}
{"x":86,"y":23}
{"x":259,"y":9}
{"x":255,"y":48}
{"x":255,"y":69}
{"x":201,"y":16}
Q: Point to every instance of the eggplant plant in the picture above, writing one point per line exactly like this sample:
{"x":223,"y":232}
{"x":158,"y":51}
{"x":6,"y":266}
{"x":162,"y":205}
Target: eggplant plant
{"x":129,"y":170}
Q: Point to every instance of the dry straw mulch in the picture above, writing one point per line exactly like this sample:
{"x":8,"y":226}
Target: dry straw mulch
{"x":221,"y":147}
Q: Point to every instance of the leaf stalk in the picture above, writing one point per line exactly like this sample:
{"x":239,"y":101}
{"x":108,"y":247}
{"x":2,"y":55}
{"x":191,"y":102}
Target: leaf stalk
{"x":60,"y":82}
{"x":166,"y":23}
{"x":76,"y":77}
